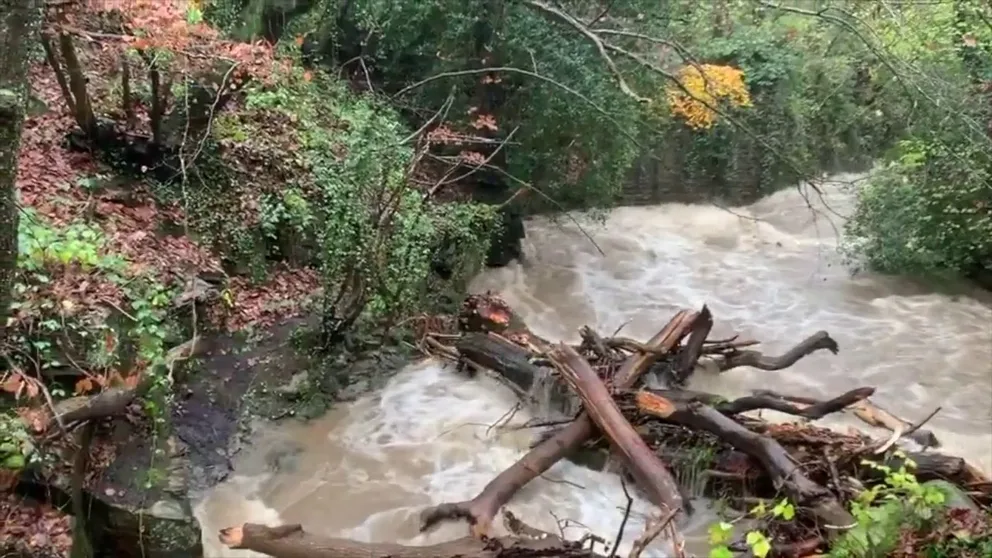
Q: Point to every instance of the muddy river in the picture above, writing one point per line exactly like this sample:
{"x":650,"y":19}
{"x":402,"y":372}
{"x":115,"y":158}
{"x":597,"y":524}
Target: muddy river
{"x":769,"y":270}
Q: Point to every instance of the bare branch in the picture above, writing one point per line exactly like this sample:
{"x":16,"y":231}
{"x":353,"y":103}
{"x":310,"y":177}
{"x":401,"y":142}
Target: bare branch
{"x":598,"y":42}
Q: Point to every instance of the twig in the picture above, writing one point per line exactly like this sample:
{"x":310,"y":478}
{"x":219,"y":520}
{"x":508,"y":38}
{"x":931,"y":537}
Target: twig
{"x":602,"y":14}
{"x":477,"y":166}
{"x":651,"y":532}
{"x":920,"y":424}
{"x":595,"y":39}
{"x":533,"y":188}
{"x":626,"y":515}
{"x":510,"y":69}
{"x":440,"y":112}
{"x":507,"y":417}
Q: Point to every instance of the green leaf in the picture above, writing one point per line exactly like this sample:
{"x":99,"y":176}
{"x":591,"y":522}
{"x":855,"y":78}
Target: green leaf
{"x":720,"y":533}
{"x":721,"y":552}
{"x":759,"y":543}
{"x":14,"y":461}
{"x":784,"y":510}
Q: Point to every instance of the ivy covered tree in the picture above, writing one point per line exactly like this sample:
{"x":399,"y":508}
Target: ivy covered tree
{"x":929,"y":209}
{"x":18,"y":23}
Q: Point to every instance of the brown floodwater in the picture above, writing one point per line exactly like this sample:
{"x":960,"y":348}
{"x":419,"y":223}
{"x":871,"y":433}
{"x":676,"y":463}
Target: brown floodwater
{"x":768,"y":271}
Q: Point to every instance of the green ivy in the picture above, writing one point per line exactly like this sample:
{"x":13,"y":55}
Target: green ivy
{"x":376,"y":236}
{"x":928,"y":211}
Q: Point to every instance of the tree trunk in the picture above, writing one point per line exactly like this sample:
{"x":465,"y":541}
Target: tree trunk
{"x":651,"y":474}
{"x":481,"y":510}
{"x":782,"y":468}
{"x":17,"y":26}
{"x":291,"y":541}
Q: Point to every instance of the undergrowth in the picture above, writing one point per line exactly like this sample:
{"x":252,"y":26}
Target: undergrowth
{"x":899,"y":517}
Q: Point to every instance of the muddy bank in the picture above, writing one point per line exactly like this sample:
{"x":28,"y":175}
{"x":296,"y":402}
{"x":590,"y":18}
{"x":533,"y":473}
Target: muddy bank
{"x":144,"y":474}
{"x":276,"y":378}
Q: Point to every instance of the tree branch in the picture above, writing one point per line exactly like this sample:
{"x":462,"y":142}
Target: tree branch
{"x":555,"y":13}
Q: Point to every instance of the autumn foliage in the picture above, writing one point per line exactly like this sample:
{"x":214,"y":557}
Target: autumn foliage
{"x":170,"y":39}
{"x":707,"y":84}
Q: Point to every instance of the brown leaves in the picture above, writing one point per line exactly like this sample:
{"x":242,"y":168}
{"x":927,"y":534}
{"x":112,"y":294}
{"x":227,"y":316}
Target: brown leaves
{"x":33,"y":528}
{"x":85,"y":385}
{"x":282,"y":296}
{"x":17,"y":384}
{"x":473,"y":157}
{"x":36,"y":419}
{"x":485,"y":122}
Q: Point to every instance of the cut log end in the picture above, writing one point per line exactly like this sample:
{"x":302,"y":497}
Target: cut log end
{"x":231,"y":537}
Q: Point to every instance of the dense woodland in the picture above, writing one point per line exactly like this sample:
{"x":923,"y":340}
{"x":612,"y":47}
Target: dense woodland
{"x":177,"y":171}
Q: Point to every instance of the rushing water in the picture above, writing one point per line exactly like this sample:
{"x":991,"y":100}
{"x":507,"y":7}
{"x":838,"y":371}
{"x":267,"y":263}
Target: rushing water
{"x":767,"y":271}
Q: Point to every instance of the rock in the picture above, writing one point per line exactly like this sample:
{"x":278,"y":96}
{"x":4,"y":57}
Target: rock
{"x":296,"y":384}
{"x":196,"y":290}
{"x":143,"y":495}
{"x":166,"y":529}
{"x":506,"y":244}
{"x":955,"y":498}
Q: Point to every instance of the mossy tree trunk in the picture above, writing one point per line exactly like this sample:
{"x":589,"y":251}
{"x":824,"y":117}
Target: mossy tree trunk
{"x":18,"y":22}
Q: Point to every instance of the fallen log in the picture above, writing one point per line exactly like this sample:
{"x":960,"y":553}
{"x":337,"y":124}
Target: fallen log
{"x":481,"y":510}
{"x":650,"y":473}
{"x":872,"y":415}
{"x":829,"y":512}
{"x":689,"y":355}
{"x":498,"y":354}
{"x":768,"y":400}
{"x":755,"y":359}
{"x":115,"y":400}
{"x":291,"y":541}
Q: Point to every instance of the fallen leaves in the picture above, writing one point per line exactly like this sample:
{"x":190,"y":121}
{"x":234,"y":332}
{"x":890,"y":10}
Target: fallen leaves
{"x":16,"y":384}
{"x":32,"y":528}
{"x":284,"y":295}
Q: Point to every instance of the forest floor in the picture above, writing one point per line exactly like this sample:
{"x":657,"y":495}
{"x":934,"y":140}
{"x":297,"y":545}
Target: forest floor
{"x":59,"y":187}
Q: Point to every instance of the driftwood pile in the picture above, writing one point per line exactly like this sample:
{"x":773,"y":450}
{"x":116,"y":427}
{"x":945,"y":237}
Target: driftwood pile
{"x":602,"y":386}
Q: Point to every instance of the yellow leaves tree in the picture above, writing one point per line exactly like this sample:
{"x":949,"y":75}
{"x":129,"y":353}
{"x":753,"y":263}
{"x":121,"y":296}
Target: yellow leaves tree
{"x":707,"y":85}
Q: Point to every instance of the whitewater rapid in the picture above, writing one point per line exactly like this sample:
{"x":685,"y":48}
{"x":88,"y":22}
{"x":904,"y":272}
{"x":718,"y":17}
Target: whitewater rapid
{"x":767,"y":271}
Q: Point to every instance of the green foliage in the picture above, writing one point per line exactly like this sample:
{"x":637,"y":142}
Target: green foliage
{"x":928,"y":211}
{"x":16,"y":443}
{"x":884,"y":510}
{"x":40,"y":245}
{"x":376,"y":238}
{"x":929,"y":208}
{"x":413,"y":40}
{"x":721,"y":533}
{"x":52,"y":327}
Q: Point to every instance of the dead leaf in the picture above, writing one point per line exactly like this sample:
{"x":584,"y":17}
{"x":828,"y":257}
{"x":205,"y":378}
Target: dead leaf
{"x":14,"y":383}
{"x":84,"y":385}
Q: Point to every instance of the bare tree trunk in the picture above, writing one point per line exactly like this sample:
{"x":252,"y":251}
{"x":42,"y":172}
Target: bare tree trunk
{"x":18,"y":23}
{"x":77,"y":85}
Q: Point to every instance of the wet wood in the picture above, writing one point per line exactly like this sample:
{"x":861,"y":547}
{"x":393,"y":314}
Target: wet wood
{"x":291,"y":541}
{"x":869,"y":413}
{"x":115,"y":400}
{"x":480,"y":511}
{"x":820,"y":340}
{"x":647,"y":469}
{"x":693,"y":349}
{"x":507,"y":359}
{"x":784,"y":472}
{"x":769,"y":401}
